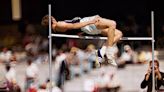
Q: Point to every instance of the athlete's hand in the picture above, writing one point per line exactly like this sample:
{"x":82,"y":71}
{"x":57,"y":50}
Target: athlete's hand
{"x":94,"y":21}
{"x":97,"y":16}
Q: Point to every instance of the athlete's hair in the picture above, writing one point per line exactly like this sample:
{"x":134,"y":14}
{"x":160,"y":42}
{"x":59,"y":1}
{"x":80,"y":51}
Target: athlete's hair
{"x":45,"y":20}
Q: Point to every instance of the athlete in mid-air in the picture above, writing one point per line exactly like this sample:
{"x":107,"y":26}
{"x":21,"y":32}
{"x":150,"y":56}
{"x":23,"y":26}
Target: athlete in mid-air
{"x":92,"y":25}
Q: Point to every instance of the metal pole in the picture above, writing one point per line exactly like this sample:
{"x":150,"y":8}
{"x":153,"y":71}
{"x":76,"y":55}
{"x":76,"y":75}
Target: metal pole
{"x":50,"y":47}
{"x":152,"y":30}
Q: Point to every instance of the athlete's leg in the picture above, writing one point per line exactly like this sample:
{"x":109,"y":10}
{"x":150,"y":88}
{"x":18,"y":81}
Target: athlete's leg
{"x":110,"y":33}
{"x":112,"y":38}
{"x":107,"y":48}
{"x":111,"y":30}
{"x":117,"y":35}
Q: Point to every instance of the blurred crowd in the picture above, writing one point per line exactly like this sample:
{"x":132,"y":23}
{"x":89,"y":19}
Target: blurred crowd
{"x":69,"y":63}
{"x":71,"y":58}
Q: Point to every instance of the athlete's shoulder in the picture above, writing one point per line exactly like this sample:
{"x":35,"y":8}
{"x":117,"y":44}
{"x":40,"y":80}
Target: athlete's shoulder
{"x":62,"y":24}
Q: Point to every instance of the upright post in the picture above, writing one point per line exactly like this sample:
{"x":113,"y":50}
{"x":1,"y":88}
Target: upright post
{"x":152,"y":31}
{"x":50,"y":48}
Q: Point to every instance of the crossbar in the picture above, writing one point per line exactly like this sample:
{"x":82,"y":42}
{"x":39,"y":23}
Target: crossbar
{"x":98,"y":37}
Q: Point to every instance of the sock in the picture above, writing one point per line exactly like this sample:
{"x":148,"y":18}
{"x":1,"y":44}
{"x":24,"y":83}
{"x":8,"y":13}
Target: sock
{"x":110,"y":51}
{"x":103,"y":50}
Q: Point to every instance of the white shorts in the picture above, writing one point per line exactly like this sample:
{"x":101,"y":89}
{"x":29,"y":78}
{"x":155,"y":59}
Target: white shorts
{"x":90,"y":29}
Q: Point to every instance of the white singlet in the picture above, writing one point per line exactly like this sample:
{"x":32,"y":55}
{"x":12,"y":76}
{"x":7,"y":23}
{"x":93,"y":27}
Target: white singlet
{"x":90,"y":29}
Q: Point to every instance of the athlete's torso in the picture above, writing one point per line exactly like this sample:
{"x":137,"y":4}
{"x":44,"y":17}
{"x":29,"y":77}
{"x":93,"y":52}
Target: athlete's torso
{"x":90,"y":29}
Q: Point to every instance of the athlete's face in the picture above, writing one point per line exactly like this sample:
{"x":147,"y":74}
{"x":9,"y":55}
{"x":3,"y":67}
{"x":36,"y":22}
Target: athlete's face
{"x":54,"y":22}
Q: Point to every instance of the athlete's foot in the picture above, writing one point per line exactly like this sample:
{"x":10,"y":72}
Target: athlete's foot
{"x":111,"y":60}
{"x":110,"y":56}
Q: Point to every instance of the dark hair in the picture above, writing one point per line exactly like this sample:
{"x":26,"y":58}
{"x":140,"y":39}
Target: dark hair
{"x":29,"y":61}
{"x":45,"y":21}
{"x":155,"y":61}
{"x":7,"y":67}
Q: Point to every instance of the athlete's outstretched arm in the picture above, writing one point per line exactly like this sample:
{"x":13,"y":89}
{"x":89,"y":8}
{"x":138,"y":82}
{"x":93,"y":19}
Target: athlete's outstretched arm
{"x":75,"y":25}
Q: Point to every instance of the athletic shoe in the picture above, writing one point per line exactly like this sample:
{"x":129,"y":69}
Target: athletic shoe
{"x":99,"y":58}
{"x":111,"y":60}
{"x":110,"y":56}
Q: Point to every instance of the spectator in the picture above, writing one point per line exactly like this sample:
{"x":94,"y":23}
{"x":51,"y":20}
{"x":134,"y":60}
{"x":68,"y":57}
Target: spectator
{"x":64,"y":72}
{"x":90,"y":50}
{"x":42,"y":88}
{"x":159,"y":77}
{"x":58,"y":60}
{"x":89,"y":85}
{"x":85,"y":62}
{"x":79,"y":62}
{"x":11,"y":79}
{"x":54,"y":87}
{"x":31,"y":74}
{"x":145,"y":56}
{"x":3,"y":83}
{"x":5,"y":55}
{"x":108,"y":82}
{"x":128,"y":56}
{"x":32,"y":48}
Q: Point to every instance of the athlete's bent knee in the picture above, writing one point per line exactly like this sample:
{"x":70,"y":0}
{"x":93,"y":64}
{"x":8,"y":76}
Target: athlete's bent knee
{"x":112,"y":24}
{"x":120,"y":34}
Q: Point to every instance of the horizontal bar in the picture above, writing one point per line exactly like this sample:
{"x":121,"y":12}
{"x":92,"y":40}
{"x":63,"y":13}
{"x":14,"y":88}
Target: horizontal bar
{"x":98,"y":37}
{"x":136,"y":38}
